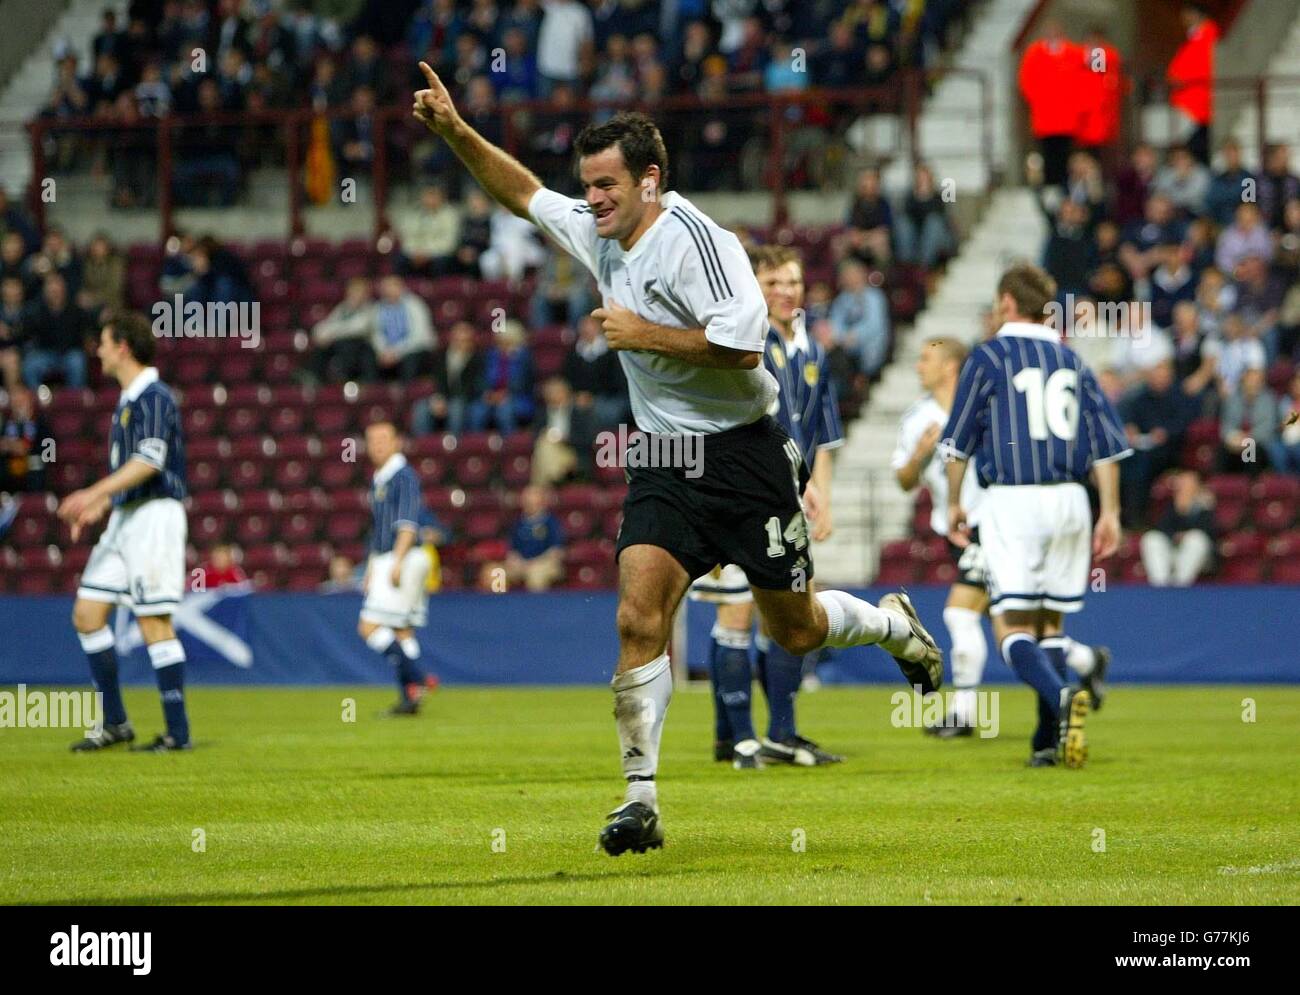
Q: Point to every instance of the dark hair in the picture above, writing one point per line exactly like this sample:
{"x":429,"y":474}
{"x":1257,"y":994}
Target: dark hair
{"x":1031,"y":288}
{"x":637,"y":138}
{"x":132,"y":328}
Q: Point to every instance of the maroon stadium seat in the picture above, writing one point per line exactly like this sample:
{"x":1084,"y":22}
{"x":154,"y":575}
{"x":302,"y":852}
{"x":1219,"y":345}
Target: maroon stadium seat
{"x":333,"y":474}
{"x":1284,"y":546}
{"x":485,"y":524}
{"x":213,"y":502}
{"x":1275,"y":487}
{"x":1241,"y":544}
{"x":203,"y":474}
{"x":246,"y":474}
{"x":208,"y":529}
{"x":1274,"y":516}
{"x":1229,"y":513}
{"x":1241,"y":570}
{"x":32,"y":529}
{"x":244,"y":421}
{"x":346,"y":526}
{"x":253,"y":530}
{"x":70,"y":477}
{"x":299,"y":527}
{"x":1286,"y":572}
{"x":896,"y":572}
{"x":516,"y":470}
{"x":472,"y":471}
{"x":578,"y":523}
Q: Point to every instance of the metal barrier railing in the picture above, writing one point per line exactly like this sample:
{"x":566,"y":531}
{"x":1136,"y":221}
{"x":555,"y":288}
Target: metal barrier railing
{"x":774,"y":142}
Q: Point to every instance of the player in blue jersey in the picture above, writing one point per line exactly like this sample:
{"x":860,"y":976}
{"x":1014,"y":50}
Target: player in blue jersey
{"x":397,"y":573}
{"x":939,"y":368}
{"x":139,"y":560}
{"x":1032,"y":416}
{"x":807,"y":409}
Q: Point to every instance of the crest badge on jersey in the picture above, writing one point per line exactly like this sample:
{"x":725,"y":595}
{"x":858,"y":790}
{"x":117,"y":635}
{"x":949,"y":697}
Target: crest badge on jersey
{"x":810,"y":374}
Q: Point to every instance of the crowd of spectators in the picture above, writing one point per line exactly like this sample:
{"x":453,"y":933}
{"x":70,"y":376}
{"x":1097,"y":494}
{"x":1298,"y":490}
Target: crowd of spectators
{"x":51,"y":299}
{"x":208,"y":57}
{"x":1182,"y":281}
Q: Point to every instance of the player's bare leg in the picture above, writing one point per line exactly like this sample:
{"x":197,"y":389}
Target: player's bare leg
{"x":801,"y":622}
{"x":651,"y":584}
{"x":90,"y":619}
{"x":963,"y":616}
{"x":1061,"y":709}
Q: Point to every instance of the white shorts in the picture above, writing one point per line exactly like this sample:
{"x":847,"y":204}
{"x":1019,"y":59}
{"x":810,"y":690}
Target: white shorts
{"x":405,"y":606}
{"x":139,"y":561}
{"x":1037,"y":542}
{"x":725,"y":585}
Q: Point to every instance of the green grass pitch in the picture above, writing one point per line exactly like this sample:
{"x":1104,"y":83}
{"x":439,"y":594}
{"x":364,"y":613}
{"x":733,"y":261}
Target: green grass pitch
{"x":496,"y":796}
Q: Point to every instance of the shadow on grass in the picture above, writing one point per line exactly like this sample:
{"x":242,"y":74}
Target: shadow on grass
{"x":338,"y":895}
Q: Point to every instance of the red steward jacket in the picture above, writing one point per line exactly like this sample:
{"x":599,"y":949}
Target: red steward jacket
{"x":1050,"y":81}
{"x":1191,"y":74}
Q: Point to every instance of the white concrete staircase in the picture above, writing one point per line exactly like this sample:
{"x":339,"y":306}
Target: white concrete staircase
{"x":30,"y":86}
{"x":950,"y":130}
{"x":1282,"y":109}
{"x":869,"y":508}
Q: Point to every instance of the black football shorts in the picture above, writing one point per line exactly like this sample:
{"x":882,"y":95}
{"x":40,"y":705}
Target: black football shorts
{"x":742,"y":508}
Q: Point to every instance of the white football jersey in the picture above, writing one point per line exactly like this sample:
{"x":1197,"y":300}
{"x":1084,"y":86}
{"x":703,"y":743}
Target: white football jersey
{"x":684,"y":272}
{"x":916,"y":419}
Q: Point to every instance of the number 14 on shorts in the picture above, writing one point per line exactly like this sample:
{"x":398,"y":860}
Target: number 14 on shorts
{"x":796,"y":533}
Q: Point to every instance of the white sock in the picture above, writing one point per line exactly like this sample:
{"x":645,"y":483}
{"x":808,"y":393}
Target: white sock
{"x":1079,"y":657}
{"x":97,"y":641}
{"x":851,"y":621}
{"x":738,"y":639}
{"x":969,"y":651}
{"x":641,"y":697}
{"x":411,"y":647}
{"x":963,"y":706}
{"x":165,"y":653}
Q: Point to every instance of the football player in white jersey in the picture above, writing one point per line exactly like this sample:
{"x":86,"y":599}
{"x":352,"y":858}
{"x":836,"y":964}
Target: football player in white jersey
{"x":685,"y":312}
{"x":914,"y":464}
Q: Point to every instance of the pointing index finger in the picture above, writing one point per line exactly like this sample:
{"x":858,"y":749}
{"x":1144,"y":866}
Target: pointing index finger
{"x":430,"y":76}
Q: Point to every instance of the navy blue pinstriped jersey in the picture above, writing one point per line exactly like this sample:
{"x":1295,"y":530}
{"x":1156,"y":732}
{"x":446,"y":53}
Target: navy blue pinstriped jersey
{"x":394,"y":503}
{"x":147,"y":426}
{"x":806,"y":406}
{"x":1030,"y":411}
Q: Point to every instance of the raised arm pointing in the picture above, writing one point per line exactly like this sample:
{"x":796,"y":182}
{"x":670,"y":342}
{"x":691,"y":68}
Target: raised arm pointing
{"x":504,"y":178}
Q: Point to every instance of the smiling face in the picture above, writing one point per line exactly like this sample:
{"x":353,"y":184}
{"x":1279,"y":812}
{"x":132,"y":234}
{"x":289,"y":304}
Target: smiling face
{"x":617,"y":199}
{"x":783,"y":290}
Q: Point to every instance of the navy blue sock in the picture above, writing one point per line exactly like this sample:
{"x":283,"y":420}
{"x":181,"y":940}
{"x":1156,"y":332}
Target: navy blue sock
{"x":171,"y":686}
{"x":735,"y":680}
{"x":784,"y":675}
{"x":721,"y":723}
{"x":411,"y":649}
{"x":100,"y":652}
{"x":403,"y":669}
{"x":1048,"y":723}
{"x":1031,"y":664}
{"x":168,"y":659}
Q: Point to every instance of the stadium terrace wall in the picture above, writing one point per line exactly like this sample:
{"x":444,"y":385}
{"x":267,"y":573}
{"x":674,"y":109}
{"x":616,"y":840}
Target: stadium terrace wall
{"x":232,"y":637}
